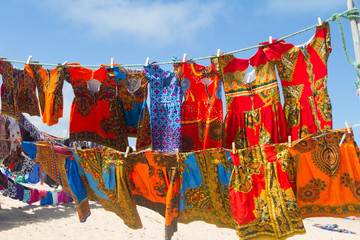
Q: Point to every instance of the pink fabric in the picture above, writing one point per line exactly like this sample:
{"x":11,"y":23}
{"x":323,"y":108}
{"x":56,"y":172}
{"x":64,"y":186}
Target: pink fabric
{"x":34,"y":196}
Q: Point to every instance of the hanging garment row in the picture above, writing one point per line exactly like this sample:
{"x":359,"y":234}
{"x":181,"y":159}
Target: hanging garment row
{"x":110,"y":103}
{"x":261,"y":191}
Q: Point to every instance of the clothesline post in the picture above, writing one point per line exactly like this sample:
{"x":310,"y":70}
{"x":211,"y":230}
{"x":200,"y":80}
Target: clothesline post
{"x":355,"y":29}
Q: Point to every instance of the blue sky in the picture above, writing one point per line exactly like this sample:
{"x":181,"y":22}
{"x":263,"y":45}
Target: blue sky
{"x":91,"y":32}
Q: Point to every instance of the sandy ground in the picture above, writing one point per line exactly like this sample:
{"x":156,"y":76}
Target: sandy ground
{"x":22,"y":221}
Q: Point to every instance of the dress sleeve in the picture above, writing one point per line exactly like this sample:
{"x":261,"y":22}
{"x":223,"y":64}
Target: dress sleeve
{"x":275,"y":50}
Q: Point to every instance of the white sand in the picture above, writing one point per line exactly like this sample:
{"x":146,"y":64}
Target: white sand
{"x":22,"y":221}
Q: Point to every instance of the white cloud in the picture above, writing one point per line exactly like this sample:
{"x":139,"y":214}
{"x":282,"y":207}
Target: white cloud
{"x":291,"y":7}
{"x":162,"y":21}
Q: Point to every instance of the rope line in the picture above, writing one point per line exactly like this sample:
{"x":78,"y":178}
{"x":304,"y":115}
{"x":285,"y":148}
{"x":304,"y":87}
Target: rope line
{"x":352,"y":13}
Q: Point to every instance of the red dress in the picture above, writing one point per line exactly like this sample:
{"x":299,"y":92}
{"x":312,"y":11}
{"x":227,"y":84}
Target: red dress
{"x":254,"y":112}
{"x":303,"y":74}
{"x":96,"y":117}
{"x":202,"y":111}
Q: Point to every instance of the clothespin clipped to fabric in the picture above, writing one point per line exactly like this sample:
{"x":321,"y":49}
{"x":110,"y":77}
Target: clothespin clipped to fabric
{"x":289,"y":141}
{"x":218,"y":52}
{"x":19,"y":139}
{"x":127,"y":151}
{"x":184,"y":58}
{"x":347,"y":127}
{"x":147,"y":61}
{"x":75,"y":149}
{"x":64,"y":63}
{"x":319,"y":21}
{"x":28,"y":60}
{"x":270,"y":39}
{"x":112,"y":63}
{"x":177,"y":153}
{"x":233,"y":148}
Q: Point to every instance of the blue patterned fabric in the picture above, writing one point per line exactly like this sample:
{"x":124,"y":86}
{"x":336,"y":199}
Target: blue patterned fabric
{"x":165,"y":108}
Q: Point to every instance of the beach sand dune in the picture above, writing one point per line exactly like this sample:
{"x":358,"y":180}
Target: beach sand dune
{"x":22,"y":221}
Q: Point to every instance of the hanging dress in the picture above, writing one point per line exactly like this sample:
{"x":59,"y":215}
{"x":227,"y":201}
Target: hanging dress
{"x":96,"y":117}
{"x":165,"y":109}
{"x":8,"y":90}
{"x":254,"y":112}
{"x":132,"y":91}
{"x":49,"y":84}
{"x":303,"y":73}
{"x":202,"y":110}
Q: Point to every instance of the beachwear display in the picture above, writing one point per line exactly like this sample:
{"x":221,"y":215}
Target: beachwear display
{"x":107,"y":182}
{"x":202,"y":110}
{"x":326,"y":173}
{"x":262,"y":201}
{"x":49,"y":84}
{"x":132,"y":91}
{"x":155,"y":185}
{"x":204,"y":193}
{"x":303,"y":73}
{"x":165,"y":109}
{"x":254,"y":115}
{"x":96,"y":116}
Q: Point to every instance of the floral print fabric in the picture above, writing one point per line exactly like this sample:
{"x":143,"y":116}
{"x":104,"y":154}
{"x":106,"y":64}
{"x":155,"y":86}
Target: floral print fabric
{"x":165,"y":109}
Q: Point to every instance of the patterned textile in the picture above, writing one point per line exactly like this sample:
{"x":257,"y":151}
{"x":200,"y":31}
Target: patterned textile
{"x":165,"y":108}
{"x":132,"y":90}
{"x":4,"y":136}
{"x":28,"y":131}
{"x":262,"y":201}
{"x":303,"y":74}
{"x":254,"y":112}
{"x":326,"y":175}
{"x":27,"y":195}
{"x":52,"y":159}
{"x":155,"y":184}
{"x":204,"y":179}
{"x":3,"y":181}
{"x":96,"y":166}
{"x":202,"y":110}
{"x":96,"y":117}
{"x":14,"y":160}
{"x":49,"y":84}
{"x":11,"y":189}
{"x":8,"y":90}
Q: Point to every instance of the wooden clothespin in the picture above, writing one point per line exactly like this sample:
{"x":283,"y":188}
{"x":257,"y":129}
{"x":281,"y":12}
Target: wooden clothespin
{"x":184,"y":58}
{"x":127,"y":151}
{"x":19,"y":139}
{"x":319,"y":21}
{"x":270,"y":39}
{"x":177,"y":154}
{"x":347,"y":127}
{"x":218,"y":52}
{"x":289,"y":141}
{"x":28,"y":60}
{"x":64,"y":63}
{"x":233,"y":148}
{"x":75,"y":149}
{"x":147,"y":61}
{"x":112,"y":63}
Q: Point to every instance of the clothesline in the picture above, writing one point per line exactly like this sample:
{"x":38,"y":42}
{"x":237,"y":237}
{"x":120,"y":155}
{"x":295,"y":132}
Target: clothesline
{"x":352,"y":13}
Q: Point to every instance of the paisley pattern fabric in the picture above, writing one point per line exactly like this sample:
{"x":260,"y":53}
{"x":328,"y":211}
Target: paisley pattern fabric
{"x":326,"y":174}
{"x":165,"y":108}
{"x":201,"y":111}
{"x":131,"y":85}
{"x":96,"y":117}
{"x":204,"y":180}
{"x":107,"y":182}
{"x":303,"y":73}
{"x":254,"y":112}
{"x":49,"y":84}
{"x":155,"y":185}
{"x":262,"y":201}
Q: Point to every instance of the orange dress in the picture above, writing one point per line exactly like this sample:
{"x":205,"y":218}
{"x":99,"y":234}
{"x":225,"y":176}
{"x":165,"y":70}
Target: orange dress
{"x":327,"y":175}
{"x":303,"y":74}
{"x":49,"y":84}
{"x":201,"y":111}
{"x":96,"y":117}
{"x":254,"y":111}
